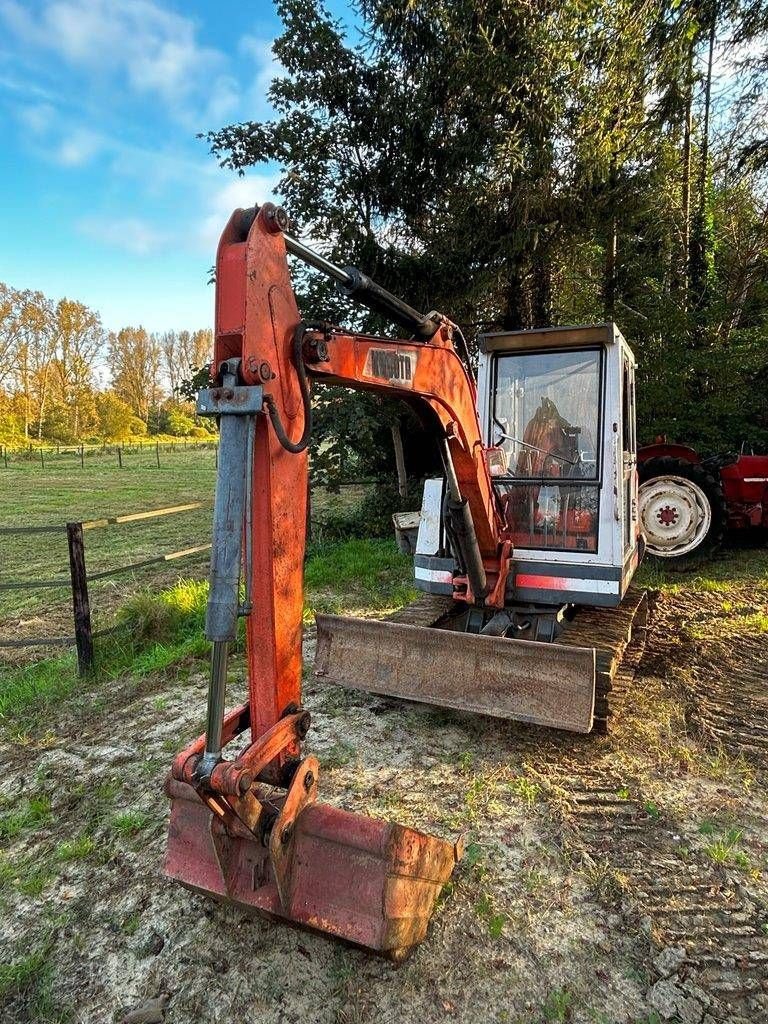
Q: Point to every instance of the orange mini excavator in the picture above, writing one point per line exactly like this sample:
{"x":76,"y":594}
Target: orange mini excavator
{"x":247,"y":828}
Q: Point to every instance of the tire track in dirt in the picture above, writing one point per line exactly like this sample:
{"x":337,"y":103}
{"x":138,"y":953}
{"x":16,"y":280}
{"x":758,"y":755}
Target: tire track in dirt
{"x":713,"y":965}
{"x":731,"y":697}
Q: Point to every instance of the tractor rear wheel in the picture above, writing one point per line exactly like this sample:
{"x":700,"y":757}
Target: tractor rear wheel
{"x":682,"y":510}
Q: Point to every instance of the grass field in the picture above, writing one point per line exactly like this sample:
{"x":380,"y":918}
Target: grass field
{"x":63,"y":492}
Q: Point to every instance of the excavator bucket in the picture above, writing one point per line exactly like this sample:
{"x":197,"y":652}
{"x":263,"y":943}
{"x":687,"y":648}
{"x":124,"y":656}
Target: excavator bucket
{"x":539,"y":683}
{"x":370,"y":882}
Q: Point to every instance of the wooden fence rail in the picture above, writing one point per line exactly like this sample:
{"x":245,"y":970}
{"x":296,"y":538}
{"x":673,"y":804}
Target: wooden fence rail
{"x":79,"y":578}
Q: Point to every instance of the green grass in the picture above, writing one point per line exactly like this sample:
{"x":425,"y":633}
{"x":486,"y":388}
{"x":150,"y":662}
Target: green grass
{"x":159,"y":630}
{"x":63,"y":492}
{"x":367,"y":573}
{"x":130,"y":822}
{"x":724,"y":849}
{"x":558,"y":1005}
{"x":729,"y":566}
{"x":75,"y":849}
{"x":34,"y":812}
{"x":27,"y":980}
{"x":176,"y":614}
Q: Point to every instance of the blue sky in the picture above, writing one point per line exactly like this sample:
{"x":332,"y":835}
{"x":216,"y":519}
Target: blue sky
{"x":106,"y":195}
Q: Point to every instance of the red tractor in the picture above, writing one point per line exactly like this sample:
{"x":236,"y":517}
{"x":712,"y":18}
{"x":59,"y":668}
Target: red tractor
{"x":686,"y":502}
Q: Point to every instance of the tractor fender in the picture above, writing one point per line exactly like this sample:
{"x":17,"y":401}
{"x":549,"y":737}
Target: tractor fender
{"x":675,"y":451}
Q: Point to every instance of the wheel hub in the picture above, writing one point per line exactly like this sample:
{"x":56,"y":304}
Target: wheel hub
{"x":667,"y":516}
{"x":675,"y":515}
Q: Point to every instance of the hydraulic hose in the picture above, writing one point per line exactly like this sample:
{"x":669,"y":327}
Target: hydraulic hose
{"x":294,"y":447}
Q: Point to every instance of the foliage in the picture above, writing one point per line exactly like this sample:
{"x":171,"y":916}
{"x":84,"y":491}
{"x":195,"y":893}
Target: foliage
{"x":116,"y":419}
{"x":517,"y":169}
{"x":371,"y":517}
{"x":48,"y":383}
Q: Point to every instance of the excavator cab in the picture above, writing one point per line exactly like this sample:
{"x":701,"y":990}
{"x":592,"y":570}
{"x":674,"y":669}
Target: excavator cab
{"x":559,"y":404}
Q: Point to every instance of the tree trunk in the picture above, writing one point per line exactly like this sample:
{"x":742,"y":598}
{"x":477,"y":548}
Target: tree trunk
{"x":700,"y":247}
{"x":541,"y":300}
{"x":611,"y":248}
{"x":686,"y":191}
{"x":43,"y":400}
{"x":515,"y":315}
{"x":402,"y":478}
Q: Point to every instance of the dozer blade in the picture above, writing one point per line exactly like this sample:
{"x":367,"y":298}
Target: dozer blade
{"x":539,"y":683}
{"x":370,"y":882}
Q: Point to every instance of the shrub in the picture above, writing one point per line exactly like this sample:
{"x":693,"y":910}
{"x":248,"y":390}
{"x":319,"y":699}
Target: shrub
{"x":372,"y":517}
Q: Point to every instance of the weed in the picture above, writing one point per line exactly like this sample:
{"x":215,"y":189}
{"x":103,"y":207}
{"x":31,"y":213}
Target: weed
{"x":466,"y":761}
{"x":27,"y":874}
{"x":26,"y":982}
{"x":558,"y":1005}
{"x":130,"y":822}
{"x":75,"y":849}
{"x":651,"y":810}
{"x":533,"y":880}
{"x":338,"y":755}
{"x":486,"y":911}
{"x":725,"y":849}
{"x":474,"y":855}
{"x":34,"y":878}
{"x":35,"y":811}
{"x":527,"y":791}
{"x":480,"y":798}
{"x":606,"y":882}
{"x":130,"y":924}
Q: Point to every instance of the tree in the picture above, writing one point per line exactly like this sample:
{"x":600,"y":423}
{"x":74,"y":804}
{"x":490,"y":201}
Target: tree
{"x":79,"y":342}
{"x":134,"y":357}
{"x":116,"y":417}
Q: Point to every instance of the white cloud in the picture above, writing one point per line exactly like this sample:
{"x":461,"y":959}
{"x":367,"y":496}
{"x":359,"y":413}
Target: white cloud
{"x":78,"y":148}
{"x":37,"y":118}
{"x":131,"y":234}
{"x":266,"y":68}
{"x":139,"y":43}
{"x":237,"y":193}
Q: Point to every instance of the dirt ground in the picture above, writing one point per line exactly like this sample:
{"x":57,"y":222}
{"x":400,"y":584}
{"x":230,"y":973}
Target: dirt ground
{"x":615,"y":879}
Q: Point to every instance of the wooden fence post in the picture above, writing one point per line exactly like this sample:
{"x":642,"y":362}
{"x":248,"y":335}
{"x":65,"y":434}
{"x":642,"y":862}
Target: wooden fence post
{"x":82,"y":458}
{"x":80,"y":604}
{"x":119,"y":457}
{"x":42,"y":459}
{"x":157,"y":453}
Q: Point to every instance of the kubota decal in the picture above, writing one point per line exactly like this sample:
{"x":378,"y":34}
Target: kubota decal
{"x":393,"y":365}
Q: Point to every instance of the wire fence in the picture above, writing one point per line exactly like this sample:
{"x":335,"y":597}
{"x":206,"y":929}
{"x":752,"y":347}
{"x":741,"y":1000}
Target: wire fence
{"x":46,"y":455}
{"x":78,"y":579}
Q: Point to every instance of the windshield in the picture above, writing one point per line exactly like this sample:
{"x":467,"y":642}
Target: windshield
{"x":546,"y":417}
